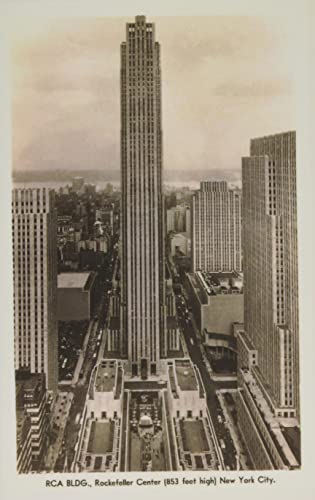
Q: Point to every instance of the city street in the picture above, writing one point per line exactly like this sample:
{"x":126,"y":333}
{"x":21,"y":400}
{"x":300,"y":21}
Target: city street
{"x":79,"y":389}
{"x":195,"y":353}
{"x":58,"y":423}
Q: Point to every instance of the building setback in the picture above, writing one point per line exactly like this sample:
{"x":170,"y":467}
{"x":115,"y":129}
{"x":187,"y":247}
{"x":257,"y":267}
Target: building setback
{"x":143,"y":294}
{"x":268,"y":349}
{"x":216,"y":228}
{"x":34,"y":238}
{"x":270,"y":264}
{"x":31,"y":398}
{"x":76,"y":296}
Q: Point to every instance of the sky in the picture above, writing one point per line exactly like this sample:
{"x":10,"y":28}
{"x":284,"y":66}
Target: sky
{"x":224,"y":81}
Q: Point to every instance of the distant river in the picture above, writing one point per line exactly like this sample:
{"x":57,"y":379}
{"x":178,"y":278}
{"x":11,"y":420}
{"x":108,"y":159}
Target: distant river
{"x":100,"y":184}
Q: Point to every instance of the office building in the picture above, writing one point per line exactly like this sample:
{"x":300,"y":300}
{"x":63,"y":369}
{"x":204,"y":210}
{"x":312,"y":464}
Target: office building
{"x":217,"y":303}
{"x":268,"y":402}
{"x":216,"y":228}
{"x":270,"y":265}
{"x":143,"y":294}
{"x":23,"y":442}
{"x":76,"y":296}
{"x":178,"y":219}
{"x":31,"y":401}
{"x":34,"y":237}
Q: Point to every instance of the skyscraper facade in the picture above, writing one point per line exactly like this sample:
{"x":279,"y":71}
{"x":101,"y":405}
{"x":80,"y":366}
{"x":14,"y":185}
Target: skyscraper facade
{"x":143,"y":293}
{"x":270,"y":266}
{"x":34,"y":233}
{"x":216,"y":228}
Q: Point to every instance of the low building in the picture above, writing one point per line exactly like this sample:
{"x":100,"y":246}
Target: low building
{"x":186,"y":392}
{"x":153,"y":425}
{"x":180,"y":244}
{"x":190,"y":425}
{"x":98,"y":447}
{"x":216,"y":300}
{"x":76,"y":296}
{"x":31,"y":401}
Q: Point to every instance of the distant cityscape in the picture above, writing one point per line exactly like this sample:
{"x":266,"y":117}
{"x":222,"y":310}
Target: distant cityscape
{"x":156,"y":324}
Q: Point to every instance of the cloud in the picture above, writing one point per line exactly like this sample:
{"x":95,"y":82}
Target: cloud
{"x":224,"y":80}
{"x":255,"y":88}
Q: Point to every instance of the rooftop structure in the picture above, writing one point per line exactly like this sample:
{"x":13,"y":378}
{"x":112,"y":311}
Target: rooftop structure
{"x":74,"y":280}
{"x":185,"y":375}
{"x":216,"y":300}
{"x":197,"y":448}
{"x":105,"y":376}
{"x":220,"y":283}
{"x":101,"y":438}
{"x":194,"y":436}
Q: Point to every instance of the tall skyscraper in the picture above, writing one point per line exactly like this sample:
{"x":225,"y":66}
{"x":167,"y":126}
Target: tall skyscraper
{"x":268,"y":349}
{"x":216,"y":228}
{"x":34,"y":233}
{"x":143,"y":292}
{"x":270,"y":265}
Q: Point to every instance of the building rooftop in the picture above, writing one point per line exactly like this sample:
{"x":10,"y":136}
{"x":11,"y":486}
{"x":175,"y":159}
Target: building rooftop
{"x":185,"y":375}
{"x":73,"y":280}
{"x":219,"y":282}
{"x":29,"y":387}
{"x":105,"y":376}
{"x":194,"y":436}
{"x":101,"y":438}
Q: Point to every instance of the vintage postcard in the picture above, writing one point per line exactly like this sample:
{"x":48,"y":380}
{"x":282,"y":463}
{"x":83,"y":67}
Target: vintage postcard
{"x":156,"y":305}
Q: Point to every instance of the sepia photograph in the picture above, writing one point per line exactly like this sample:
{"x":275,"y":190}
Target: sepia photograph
{"x":155,"y":250}
{"x":154,"y":233}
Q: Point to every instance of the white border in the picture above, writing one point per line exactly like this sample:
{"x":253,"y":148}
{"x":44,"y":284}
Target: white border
{"x":288,"y":484}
